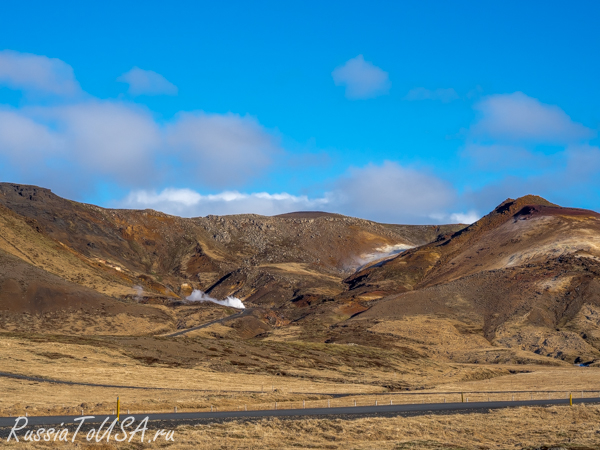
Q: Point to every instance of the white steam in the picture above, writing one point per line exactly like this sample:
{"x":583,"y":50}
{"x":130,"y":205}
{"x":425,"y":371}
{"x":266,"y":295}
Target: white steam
{"x":381,"y":254}
{"x":199,"y":296}
{"x":139,"y":293}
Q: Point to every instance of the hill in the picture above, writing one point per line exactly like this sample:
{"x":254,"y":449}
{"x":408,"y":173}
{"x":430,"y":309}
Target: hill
{"x":526,"y":276}
{"x":146,"y":255}
{"x":521,"y":285}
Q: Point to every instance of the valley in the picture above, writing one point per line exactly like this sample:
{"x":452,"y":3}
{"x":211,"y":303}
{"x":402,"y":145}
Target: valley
{"x":94,"y":304}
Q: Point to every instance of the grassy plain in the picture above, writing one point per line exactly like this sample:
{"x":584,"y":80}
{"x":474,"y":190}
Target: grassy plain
{"x":198,"y":387}
{"x":519,"y":428}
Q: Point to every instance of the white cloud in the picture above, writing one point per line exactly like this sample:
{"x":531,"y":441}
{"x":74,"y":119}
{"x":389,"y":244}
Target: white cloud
{"x":36,"y":73}
{"x":507,"y":142}
{"x":565,"y":177}
{"x":223,"y":149}
{"x":517,"y":117}
{"x":392,"y":193}
{"x":189,"y":203}
{"x":443,"y":95}
{"x":96,"y":137}
{"x":466,"y":218}
{"x":505,"y":157}
{"x":147,"y":82}
{"x":74,"y":146}
{"x":22,"y":139}
{"x":583,"y":163}
{"x":387,"y":193}
{"x":111,"y":138}
{"x":362,"y":79}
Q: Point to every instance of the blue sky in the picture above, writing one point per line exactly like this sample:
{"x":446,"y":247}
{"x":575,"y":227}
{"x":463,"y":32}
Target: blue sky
{"x":413,"y":112}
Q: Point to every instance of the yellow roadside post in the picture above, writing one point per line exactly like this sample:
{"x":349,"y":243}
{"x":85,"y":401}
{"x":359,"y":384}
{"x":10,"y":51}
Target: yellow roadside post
{"x":571,"y":398}
{"x":462,"y":397}
{"x":118,"y":409}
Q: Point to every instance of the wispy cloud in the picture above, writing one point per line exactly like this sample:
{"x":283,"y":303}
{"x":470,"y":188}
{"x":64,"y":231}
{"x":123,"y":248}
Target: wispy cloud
{"x":22,"y":139}
{"x":147,"y":82}
{"x":569,"y":176}
{"x":362,"y":79}
{"x":390,"y":193}
{"x":387,"y":193}
{"x":224,"y":149}
{"x":37,"y":74}
{"x":495,"y":158}
{"x":509,"y":144}
{"x":189,"y":203}
{"x":518,"y":117}
{"x":79,"y":141}
{"x":91,"y":139}
{"x":73,"y":143}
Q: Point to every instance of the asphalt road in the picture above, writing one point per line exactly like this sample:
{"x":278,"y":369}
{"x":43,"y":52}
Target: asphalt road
{"x":387,"y":410}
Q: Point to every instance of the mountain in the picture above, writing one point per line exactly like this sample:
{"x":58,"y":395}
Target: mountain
{"x":521,"y":285}
{"x":525,"y":276}
{"x":269,"y":262}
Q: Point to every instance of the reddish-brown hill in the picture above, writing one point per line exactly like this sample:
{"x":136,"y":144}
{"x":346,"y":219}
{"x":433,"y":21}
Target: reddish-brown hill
{"x":527,"y":275}
{"x":263,"y":260}
{"x":520,"y":285}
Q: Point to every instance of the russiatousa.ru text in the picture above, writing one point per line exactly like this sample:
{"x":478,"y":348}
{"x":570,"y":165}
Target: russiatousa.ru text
{"x":119,"y":431}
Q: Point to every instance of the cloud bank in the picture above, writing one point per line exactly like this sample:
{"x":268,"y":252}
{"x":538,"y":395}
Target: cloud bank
{"x":390,"y":191}
{"x":387,"y":193}
{"x":509,"y":142}
{"x":227,"y":148}
{"x":189,"y":203}
{"x":75,"y":143}
{"x":121,"y":142}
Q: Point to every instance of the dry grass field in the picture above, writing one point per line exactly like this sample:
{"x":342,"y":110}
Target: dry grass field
{"x":199,"y":387}
{"x":507,"y":429}
{"x":556,"y":428}
{"x":92,"y":297}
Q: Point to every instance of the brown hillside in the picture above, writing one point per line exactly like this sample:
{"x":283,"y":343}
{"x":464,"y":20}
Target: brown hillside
{"x":35,"y":301}
{"x":520,"y":285}
{"x":526,"y":275}
{"x":268,"y":260}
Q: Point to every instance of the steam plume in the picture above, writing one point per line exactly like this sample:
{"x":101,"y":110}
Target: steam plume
{"x":139,"y":293}
{"x":381,"y":253}
{"x":199,"y":296}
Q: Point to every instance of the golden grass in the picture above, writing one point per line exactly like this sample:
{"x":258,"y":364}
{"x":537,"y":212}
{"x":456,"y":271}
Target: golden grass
{"x":199,"y":387}
{"x":300,"y":269}
{"x":100,"y":365}
{"x":503,"y":429}
{"x":80,"y":324}
{"x":20,"y":396}
{"x":418,"y":330}
{"x":559,"y":427}
{"x":443,"y":338}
